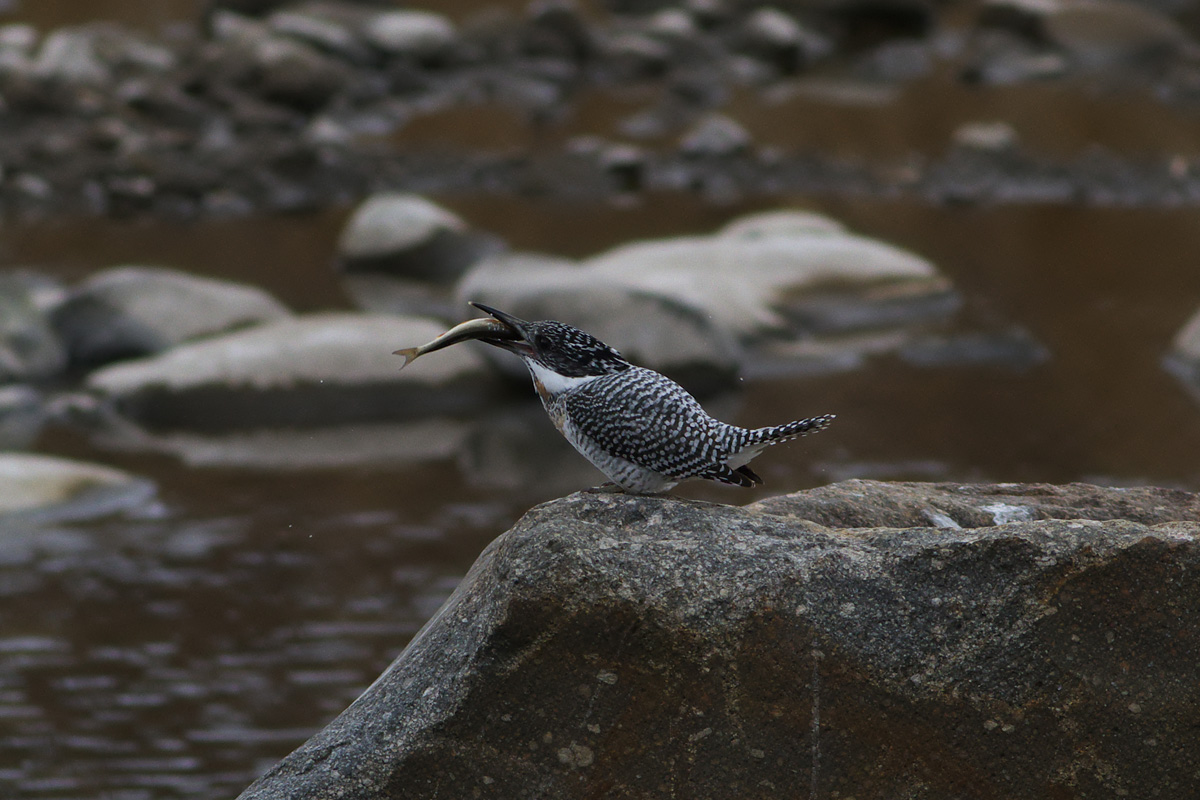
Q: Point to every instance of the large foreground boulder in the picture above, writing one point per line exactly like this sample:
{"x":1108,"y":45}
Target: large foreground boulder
{"x":862,"y":640}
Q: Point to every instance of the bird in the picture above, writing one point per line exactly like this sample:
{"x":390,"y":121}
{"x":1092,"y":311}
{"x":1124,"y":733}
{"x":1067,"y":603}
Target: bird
{"x":644,"y":431}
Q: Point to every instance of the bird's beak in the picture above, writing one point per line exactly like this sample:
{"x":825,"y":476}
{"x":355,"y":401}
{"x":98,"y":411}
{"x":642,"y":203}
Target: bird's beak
{"x":520,"y":345}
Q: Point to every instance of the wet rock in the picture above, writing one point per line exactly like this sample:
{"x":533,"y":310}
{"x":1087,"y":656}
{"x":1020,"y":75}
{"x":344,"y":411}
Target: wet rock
{"x":70,"y":56}
{"x":1093,"y":34}
{"x":17,"y":44}
{"x":313,"y":370}
{"x":756,"y":290}
{"x":409,"y":237}
{"x":37,"y":488}
{"x":778,"y":39}
{"x":1183,"y":360}
{"x":318,"y":30}
{"x":754,"y":281}
{"x":633,"y":56}
{"x":607,"y":640}
{"x":715,"y":136}
{"x":21,"y":416}
{"x":93,"y":55}
{"x":1001,"y":58}
{"x":410,"y":34}
{"x":126,"y":312}
{"x":651,"y":329}
{"x":896,"y":61}
{"x":1108,"y":33}
{"x":360,"y":445}
{"x":296,"y":74}
{"x":557,"y":29}
{"x":990,"y":137}
{"x":29,"y":347}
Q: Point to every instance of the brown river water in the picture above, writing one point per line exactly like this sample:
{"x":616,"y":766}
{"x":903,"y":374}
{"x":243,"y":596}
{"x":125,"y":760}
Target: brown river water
{"x":179,"y":651}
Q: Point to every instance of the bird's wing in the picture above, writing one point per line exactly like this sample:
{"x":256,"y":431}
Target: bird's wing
{"x":650,"y":420}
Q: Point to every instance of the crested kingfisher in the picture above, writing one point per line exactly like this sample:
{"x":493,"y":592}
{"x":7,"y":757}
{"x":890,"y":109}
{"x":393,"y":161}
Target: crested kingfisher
{"x":644,"y":431}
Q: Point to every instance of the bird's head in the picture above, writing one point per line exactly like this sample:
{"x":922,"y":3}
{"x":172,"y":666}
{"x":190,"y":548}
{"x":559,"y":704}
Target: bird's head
{"x":557,"y":347}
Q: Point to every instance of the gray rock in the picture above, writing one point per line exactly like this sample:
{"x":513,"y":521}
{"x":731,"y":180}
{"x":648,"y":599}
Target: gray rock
{"x":292,"y":72}
{"x":318,"y":30}
{"x":21,"y":416}
{"x":410,"y":237}
{"x":715,"y":135}
{"x":649,"y":328}
{"x":901,"y":641}
{"x":29,"y":347}
{"x":414,"y":34}
{"x":780,"y":40}
{"x":133,"y":311}
{"x":17,"y":49}
{"x":1183,"y":360}
{"x":313,"y":370}
{"x":376,"y":445}
{"x":1111,"y":33}
{"x":986,"y":137}
{"x":92,"y":55}
{"x":631,"y":55}
{"x":816,"y":277}
{"x":37,"y":488}
{"x":696,"y":307}
{"x":69,"y":55}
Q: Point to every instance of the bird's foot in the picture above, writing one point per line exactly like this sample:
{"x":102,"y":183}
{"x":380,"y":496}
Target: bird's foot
{"x":608,"y":487}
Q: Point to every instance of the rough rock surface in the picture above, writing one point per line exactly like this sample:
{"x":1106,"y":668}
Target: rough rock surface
{"x":133,"y":311}
{"x":1004,"y":641}
{"x":313,"y":369}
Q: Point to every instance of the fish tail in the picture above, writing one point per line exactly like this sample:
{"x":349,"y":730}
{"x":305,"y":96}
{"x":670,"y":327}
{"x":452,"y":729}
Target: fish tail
{"x":409,"y":353}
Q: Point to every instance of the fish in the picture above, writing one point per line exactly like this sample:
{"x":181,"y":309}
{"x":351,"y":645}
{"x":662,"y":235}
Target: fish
{"x":483,"y":328}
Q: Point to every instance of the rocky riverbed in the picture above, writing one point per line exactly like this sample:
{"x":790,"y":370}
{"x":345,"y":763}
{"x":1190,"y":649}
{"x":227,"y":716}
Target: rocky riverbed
{"x":297,"y":105}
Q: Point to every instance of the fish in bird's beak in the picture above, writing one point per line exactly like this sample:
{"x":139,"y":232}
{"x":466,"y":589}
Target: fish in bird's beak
{"x":493,"y":331}
{"x":514,"y":344}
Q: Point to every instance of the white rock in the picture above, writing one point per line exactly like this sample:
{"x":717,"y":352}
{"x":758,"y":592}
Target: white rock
{"x":332,"y":348}
{"x":410,"y":237}
{"x":410,"y":33}
{"x":70,"y":55}
{"x":136,"y":310}
{"x":1187,"y":341}
{"x":62,"y":489}
{"x":786,"y":222}
{"x":386,"y":223}
{"x":743,"y":281}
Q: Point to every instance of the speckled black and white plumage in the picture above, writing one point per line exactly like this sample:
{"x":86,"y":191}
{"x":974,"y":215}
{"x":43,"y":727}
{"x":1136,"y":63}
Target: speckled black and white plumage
{"x":641,"y":429}
{"x":646,"y":433}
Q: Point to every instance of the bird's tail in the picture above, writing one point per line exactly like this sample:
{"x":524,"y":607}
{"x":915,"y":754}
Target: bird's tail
{"x":783,"y":433}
